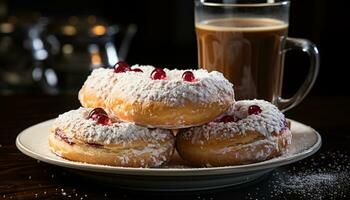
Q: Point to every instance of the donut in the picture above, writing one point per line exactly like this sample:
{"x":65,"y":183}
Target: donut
{"x":157,"y":97}
{"x":90,"y":136}
{"x":251,"y":131}
{"x":170,"y":99}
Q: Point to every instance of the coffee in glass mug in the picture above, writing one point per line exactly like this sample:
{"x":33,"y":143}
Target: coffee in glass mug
{"x":247,"y":42}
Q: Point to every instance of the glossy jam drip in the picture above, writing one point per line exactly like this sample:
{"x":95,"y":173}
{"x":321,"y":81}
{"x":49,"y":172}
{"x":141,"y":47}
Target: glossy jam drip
{"x":121,"y":67}
{"x":188,"y":76}
{"x":254,"y":110}
{"x":137,"y":70}
{"x":158,"y":74}
{"x":95,"y":112}
{"x":103,"y":120}
{"x":100,"y":116}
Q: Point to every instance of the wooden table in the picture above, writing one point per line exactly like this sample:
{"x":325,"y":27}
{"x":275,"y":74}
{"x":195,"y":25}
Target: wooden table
{"x":324,"y":175}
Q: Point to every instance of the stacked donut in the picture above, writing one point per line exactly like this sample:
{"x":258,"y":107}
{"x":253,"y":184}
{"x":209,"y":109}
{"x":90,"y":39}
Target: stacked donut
{"x":129,"y":115}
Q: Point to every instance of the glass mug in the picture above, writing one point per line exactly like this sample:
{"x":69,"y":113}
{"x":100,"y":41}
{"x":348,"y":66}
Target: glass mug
{"x":247,"y":43}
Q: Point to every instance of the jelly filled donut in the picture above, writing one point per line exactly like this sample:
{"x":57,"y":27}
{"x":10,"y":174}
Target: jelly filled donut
{"x":170,"y":98}
{"x":89,"y":135}
{"x":251,"y":131}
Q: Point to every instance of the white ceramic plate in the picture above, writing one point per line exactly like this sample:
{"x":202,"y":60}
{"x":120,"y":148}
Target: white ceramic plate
{"x":33,"y":142}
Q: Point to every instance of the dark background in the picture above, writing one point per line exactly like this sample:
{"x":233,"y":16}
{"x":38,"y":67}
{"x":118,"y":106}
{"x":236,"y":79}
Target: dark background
{"x":166,"y":37}
{"x":166,"y":34}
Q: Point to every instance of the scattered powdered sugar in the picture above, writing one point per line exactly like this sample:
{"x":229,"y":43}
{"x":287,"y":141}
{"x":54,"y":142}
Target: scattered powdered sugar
{"x":76,"y":125}
{"x":310,"y":180}
{"x":208,"y":88}
{"x":326,"y":176}
{"x":268,"y":121}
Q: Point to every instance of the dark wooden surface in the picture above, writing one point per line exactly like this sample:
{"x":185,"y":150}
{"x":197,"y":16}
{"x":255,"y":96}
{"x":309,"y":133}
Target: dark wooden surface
{"x":22,"y":177}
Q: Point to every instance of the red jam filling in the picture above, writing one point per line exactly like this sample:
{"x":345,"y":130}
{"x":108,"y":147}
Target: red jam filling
{"x":61,"y":135}
{"x":227,"y":119}
{"x":95,"y":145}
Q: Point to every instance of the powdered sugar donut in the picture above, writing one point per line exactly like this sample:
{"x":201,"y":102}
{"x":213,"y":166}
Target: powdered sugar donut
{"x":81,"y":135}
{"x":251,"y":131}
{"x":170,"y":98}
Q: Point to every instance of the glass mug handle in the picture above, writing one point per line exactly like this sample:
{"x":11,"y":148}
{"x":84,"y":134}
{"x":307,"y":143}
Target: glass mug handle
{"x":311,"y":49}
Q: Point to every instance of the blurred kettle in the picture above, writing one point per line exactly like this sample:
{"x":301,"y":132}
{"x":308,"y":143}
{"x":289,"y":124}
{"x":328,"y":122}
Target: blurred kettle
{"x":76,"y":46}
{"x":21,"y":49}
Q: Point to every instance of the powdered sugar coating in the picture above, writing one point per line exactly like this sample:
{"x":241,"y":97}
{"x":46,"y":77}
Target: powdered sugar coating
{"x":101,"y":81}
{"x":139,"y":87}
{"x":269,"y":121}
{"x":208,"y":88}
{"x":75,"y":124}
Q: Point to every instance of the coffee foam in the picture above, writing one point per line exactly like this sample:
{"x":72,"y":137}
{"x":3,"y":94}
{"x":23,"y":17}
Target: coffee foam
{"x":217,"y":24}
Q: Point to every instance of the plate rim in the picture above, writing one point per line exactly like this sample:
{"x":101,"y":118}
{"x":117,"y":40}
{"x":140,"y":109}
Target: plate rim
{"x":272,"y":163}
